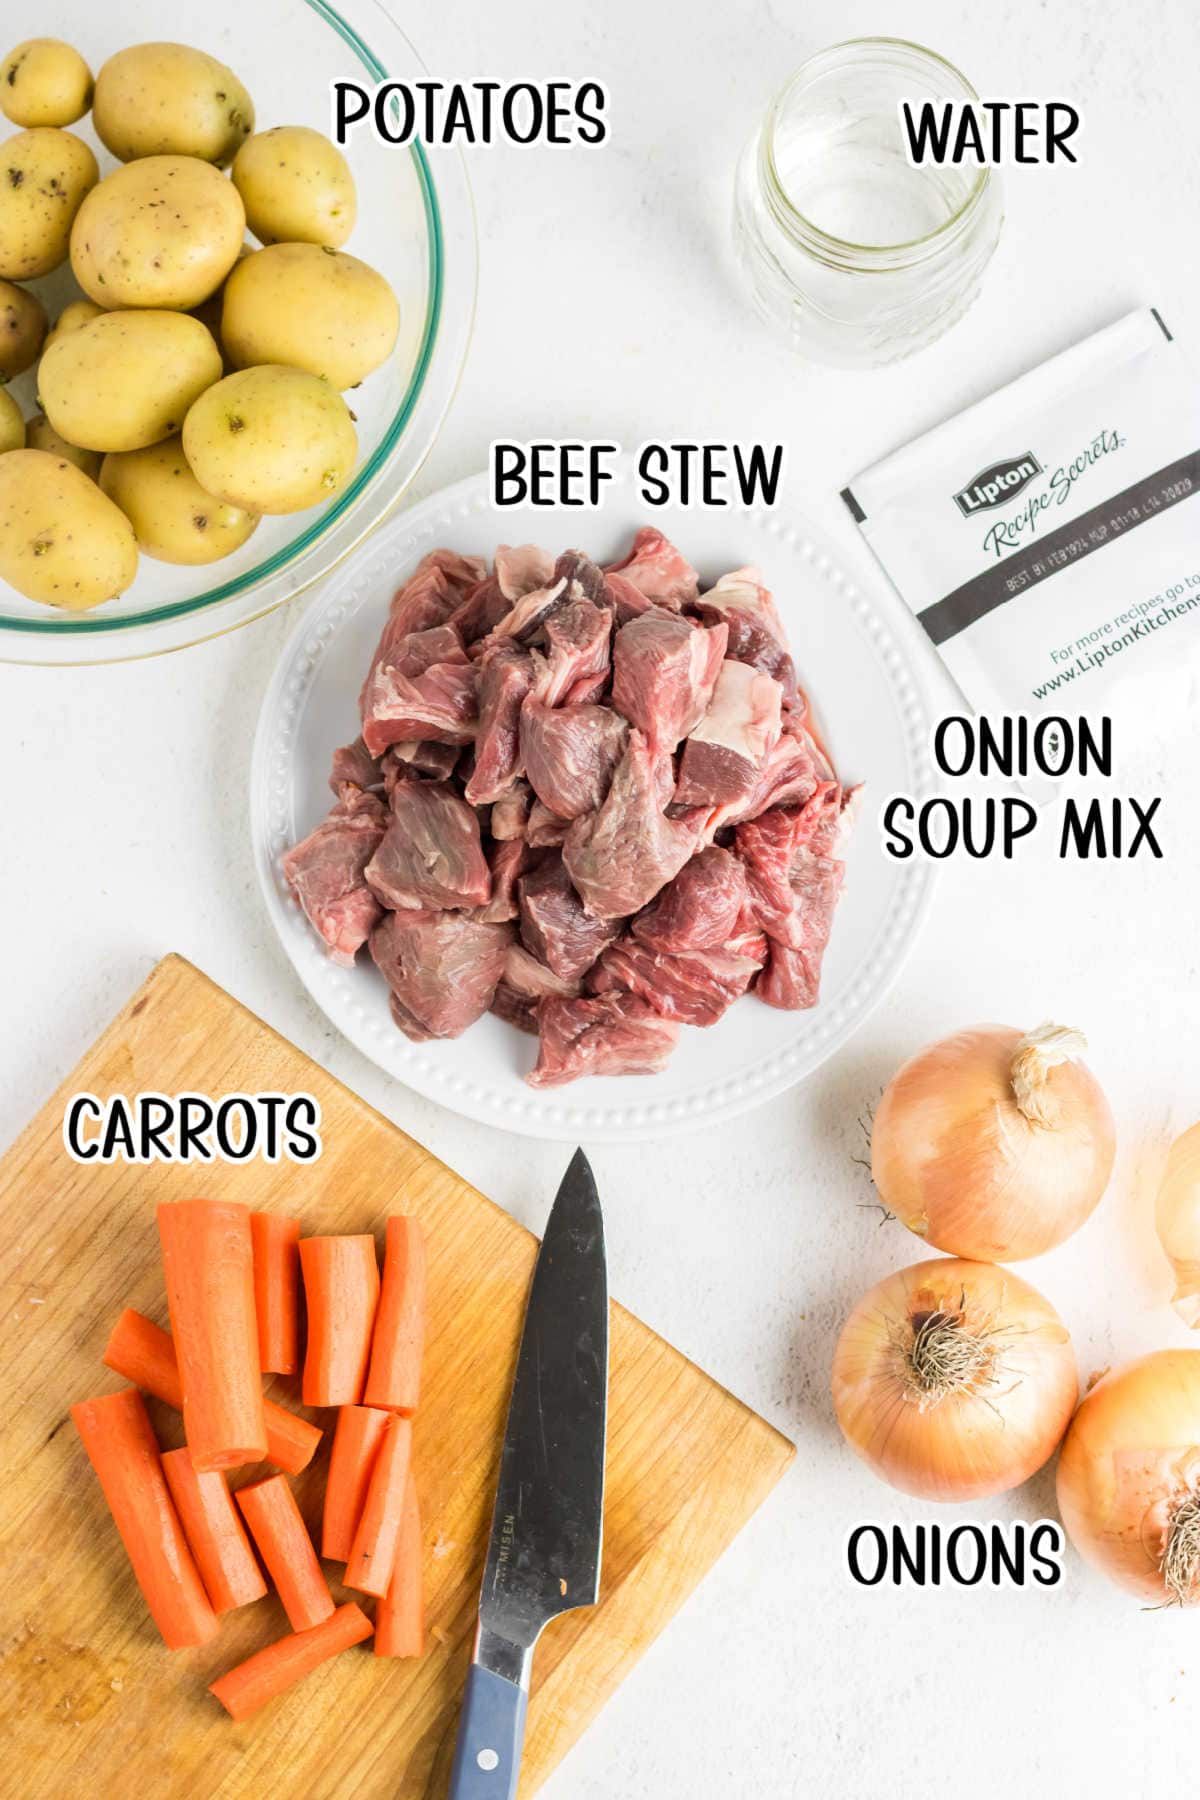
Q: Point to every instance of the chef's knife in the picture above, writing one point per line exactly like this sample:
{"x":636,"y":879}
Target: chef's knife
{"x":544,"y":1556}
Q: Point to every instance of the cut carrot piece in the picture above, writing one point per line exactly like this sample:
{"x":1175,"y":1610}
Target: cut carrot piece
{"x":144,"y":1353}
{"x":394,"y":1380}
{"x":400,"y":1615}
{"x":272,"y":1671}
{"x":209,"y":1269}
{"x":277,"y":1291}
{"x":215,"y":1533}
{"x":355,"y":1446}
{"x":123,"y":1450}
{"x":270,"y":1510}
{"x":373,"y":1552}
{"x":341,"y":1288}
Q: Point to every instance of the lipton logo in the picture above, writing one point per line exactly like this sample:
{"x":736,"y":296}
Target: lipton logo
{"x":997,"y":484}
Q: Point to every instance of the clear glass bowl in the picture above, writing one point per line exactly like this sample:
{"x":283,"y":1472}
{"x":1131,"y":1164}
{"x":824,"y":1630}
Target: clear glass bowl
{"x":415,"y":224}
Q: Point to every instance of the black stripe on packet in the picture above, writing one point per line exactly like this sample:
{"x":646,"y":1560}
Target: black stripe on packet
{"x":856,"y":511}
{"x":1038,"y":560}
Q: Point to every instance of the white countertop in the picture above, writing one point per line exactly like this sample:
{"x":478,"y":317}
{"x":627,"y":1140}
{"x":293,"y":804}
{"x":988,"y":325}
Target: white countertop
{"x":607,"y":307}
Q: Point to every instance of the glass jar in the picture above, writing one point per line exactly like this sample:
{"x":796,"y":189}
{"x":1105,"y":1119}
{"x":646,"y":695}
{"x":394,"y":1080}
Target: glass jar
{"x":859,"y":256}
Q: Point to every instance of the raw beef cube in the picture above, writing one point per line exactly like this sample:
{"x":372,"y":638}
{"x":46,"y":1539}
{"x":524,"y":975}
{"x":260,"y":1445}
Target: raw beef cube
{"x":507,"y":861}
{"x":699,"y":910}
{"x":426,"y":690}
{"x":442,"y":969}
{"x":768,"y":847}
{"x":524,"y":982}
{"x":326,"y":873}
{"x":792,"y":977}
{"x":695,"y":988}
{"x":431,"y":855}
{"x":664,"y":673}
{"x":355,"y":767}
{"x":436,"y":587}
{"x":756,"y":634}
{"x":524,"y":621}
{"x":627,"y":602}
{"x":516,"y":571}
{"x":569,"y":754}
{"x":612,"y":1034}
{"x":545,"y":830}
{"x":725,"y":754}
{"x":505,"y":677}
{"x":554,"y":925}
{"x":433,"y":761}
{"x":658,"y":570}
{"x":582,"y":576}
{"x":510,"y":813}
{"x":621,"y":855}
{"x":789,"y":777}
{"x":577,"y":650}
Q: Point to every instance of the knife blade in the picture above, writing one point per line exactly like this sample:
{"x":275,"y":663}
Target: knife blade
{"x":547,"y":1525}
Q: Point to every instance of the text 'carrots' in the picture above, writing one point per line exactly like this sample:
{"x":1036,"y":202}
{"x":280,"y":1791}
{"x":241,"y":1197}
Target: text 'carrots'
{"x":355,"y":1445}
{"x":272,"y":1671}
{"x":400,"y":1615}
{"x":144,"y":1353}
{"x":123,"y":1451}
{"x":208,"y":1267}
{"x":215,"y":1533}
{"x":341,"y":1290}
{"x":270,"y":1510}
{"x":394,"y":1380}
{"x":373,"y":1552}
{"x":276,"y":1242}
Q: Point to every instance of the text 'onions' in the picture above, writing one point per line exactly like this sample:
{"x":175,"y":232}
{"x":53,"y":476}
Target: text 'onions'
{"x":1178,"y":1219}
{"x":1129,"y":1477}
{"x":954,"y":1380}
{"x":994,"y":1146}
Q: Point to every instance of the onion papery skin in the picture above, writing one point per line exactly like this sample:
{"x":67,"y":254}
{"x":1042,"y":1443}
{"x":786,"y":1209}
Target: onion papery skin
{"x":1177,"y":1217}
{"x":1131,"y":1454}
{"x":953,"y":1156}
{"x":970,"y":1444}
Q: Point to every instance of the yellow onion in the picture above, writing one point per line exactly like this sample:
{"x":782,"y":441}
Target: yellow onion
{"x":994,"y":1146}
{"x":1178,"y":1219}
{"x":954,"y":1380}
{"x":1129,"y":1477}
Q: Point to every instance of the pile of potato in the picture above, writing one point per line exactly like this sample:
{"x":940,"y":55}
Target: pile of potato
{"x":198,"y":384}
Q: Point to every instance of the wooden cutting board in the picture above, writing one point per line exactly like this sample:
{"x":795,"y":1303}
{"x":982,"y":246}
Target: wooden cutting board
{"x":92,"y":1702}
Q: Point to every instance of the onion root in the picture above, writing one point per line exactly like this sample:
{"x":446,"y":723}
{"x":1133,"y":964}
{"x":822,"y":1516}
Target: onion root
{"x":1181,"y":1557}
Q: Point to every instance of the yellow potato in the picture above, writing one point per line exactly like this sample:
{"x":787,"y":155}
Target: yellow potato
{"x":45,"y":82}
{"x":127,"y":379}
{"x":172,"y":516}
{"x":12,"y":425}
{"x":164,"y":231}
{"x":271,"y":440}
{"x":79,"y":312}
{"x":44,"y":175}
{"x":296,"y":187}
{"x":22,"y":330}
{"x":170,"y":100}
{"x":312,"y":308}
{"x":62,"y":541}
{"x":41,"y":435}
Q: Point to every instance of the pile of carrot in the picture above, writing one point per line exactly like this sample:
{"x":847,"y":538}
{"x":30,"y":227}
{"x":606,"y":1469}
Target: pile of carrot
{"x":237,"y":1284}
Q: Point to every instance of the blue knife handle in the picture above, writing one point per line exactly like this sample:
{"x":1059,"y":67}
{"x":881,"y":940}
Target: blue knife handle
{"x":491,"y":1730}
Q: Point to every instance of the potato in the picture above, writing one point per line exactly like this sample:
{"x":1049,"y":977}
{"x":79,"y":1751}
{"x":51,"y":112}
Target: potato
{"x":170,"y":100}
{"x":172,"y":517}
{"x":22,"y":330}
{"x":12,"y":425}
{"x":270,"y":440}
{"x":310,"y":307}
{"x":127,"y":379}
{"x":296,"y":187}
{"x":45,"y":82}
{"x":41,"y":435}
{"x":61,"y":540}
{"x":164,"y":231}
{"x":79,"y":312}
{"x":44,"y":175}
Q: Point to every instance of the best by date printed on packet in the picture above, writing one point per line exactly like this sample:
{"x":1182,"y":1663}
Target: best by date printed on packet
{"x":1048,"y":538}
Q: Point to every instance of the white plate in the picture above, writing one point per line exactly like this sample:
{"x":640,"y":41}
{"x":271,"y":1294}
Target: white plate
{"x":870,"y":710}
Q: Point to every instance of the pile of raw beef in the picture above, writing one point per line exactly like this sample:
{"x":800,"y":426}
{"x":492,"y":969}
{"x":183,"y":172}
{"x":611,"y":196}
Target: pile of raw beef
{"x":589,"y":800}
